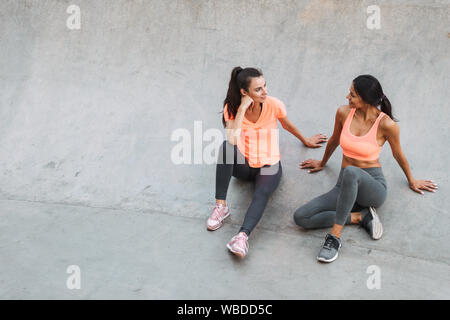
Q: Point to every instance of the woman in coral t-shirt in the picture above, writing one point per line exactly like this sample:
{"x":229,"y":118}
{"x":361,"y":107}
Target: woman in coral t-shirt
{"x":251,"y":150}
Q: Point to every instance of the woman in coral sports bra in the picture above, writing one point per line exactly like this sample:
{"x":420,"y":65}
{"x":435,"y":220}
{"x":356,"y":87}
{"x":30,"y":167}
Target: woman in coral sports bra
{"x":251,"y":150}
{"x":361,"y":129}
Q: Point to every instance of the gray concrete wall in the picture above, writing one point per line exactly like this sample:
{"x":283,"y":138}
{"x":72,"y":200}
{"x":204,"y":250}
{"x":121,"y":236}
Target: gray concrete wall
{"x":86,"y":116}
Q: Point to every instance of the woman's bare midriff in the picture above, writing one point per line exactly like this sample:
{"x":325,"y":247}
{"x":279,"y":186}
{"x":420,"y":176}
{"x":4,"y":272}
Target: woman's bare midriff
{"x":346,"y":161}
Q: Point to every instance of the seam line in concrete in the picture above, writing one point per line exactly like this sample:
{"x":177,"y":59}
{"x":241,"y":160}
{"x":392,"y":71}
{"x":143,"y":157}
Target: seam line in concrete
{"x":288,"y":233}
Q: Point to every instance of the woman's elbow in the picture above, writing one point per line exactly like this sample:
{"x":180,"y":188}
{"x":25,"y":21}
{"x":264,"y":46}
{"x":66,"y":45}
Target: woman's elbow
{"x":232,"y":139}
{"x":333,"y":141}
{"x":285,"y":126}
{"x":233,"y":135}
{"x":398,"y":156}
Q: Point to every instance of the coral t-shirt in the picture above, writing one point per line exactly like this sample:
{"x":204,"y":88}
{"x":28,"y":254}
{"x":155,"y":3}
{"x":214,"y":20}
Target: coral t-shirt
{"x":259,"y":141}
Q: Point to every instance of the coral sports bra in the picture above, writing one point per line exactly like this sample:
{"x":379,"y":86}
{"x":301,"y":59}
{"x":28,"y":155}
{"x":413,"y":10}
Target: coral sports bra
{"x":360,"y":147}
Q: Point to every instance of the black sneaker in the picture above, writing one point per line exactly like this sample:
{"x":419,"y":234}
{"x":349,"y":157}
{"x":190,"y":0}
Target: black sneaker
{"x":329,"y":251}
{"x":372,"y":224}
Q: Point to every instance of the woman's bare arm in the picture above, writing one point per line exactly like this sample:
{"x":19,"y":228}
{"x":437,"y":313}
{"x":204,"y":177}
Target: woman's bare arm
{"x":333,"y":143}
{"x":312,"y":142}
{"x":392,"y":135}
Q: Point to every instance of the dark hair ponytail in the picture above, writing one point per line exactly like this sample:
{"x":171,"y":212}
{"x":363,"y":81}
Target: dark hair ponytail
{"x":370,"y":90}
{"x":240,"y":79}
{"x":386,"y":107}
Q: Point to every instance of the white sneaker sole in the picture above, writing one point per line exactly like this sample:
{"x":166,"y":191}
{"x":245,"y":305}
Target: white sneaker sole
{"x":219,"y":225}
{"x":377,"y":227}
{"x":238,"y":253}
{"x":330,"y":260}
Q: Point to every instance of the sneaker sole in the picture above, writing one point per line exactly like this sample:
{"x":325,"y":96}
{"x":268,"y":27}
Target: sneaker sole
{"x":220,"y":224}
{"x":237,"y":253}
{"x":377,"y":227}
{"x":330,"y":260}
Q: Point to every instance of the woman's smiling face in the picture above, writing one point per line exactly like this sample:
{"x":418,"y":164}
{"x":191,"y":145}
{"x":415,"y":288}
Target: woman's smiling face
{"x":257,"y":89}
{"x":354,"y":100}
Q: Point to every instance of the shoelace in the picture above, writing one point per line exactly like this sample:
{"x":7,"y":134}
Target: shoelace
{"x":329,"y":243}
{"x":216,"y":212}
{"x":241,"y":241}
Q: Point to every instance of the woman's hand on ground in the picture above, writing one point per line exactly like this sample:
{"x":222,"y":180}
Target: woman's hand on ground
{"x":314,"y":165}
{"x":419,"y":185}
{"x":315,"y":141}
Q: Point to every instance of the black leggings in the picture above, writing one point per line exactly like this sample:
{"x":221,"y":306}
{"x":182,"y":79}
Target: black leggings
{"x":231,"y":162}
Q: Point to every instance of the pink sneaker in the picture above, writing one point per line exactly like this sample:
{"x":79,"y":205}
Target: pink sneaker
{"x":239,"y":245}
{"x":217,"y":217}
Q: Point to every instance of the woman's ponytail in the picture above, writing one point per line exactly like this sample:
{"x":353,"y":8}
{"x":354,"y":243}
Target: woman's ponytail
{"x":233,"y":99}
{"x":386,"y":107}
{"x":240,"y":79}
{"x":370,"y":90}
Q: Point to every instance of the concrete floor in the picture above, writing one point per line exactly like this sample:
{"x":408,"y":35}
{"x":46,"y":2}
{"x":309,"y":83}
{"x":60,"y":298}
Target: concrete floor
{"x":87,"y":175}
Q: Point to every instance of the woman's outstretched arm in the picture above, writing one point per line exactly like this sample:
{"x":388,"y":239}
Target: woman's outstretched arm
{"x":311,"y":142}
{"x":392,"y":135}
{"x":333,"y":143}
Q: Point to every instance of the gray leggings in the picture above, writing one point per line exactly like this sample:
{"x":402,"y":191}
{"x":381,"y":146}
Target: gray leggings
{"x":356,"y":190}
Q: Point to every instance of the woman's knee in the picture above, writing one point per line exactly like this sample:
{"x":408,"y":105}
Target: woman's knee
{"x":263,"y":192}
{"x":350,"y":173}
{"x":374,"y":199}
{"x":351,"y":170}
{"x":301,"y":217}
{"x":226,"y":154}
{"x":267,"y":185}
